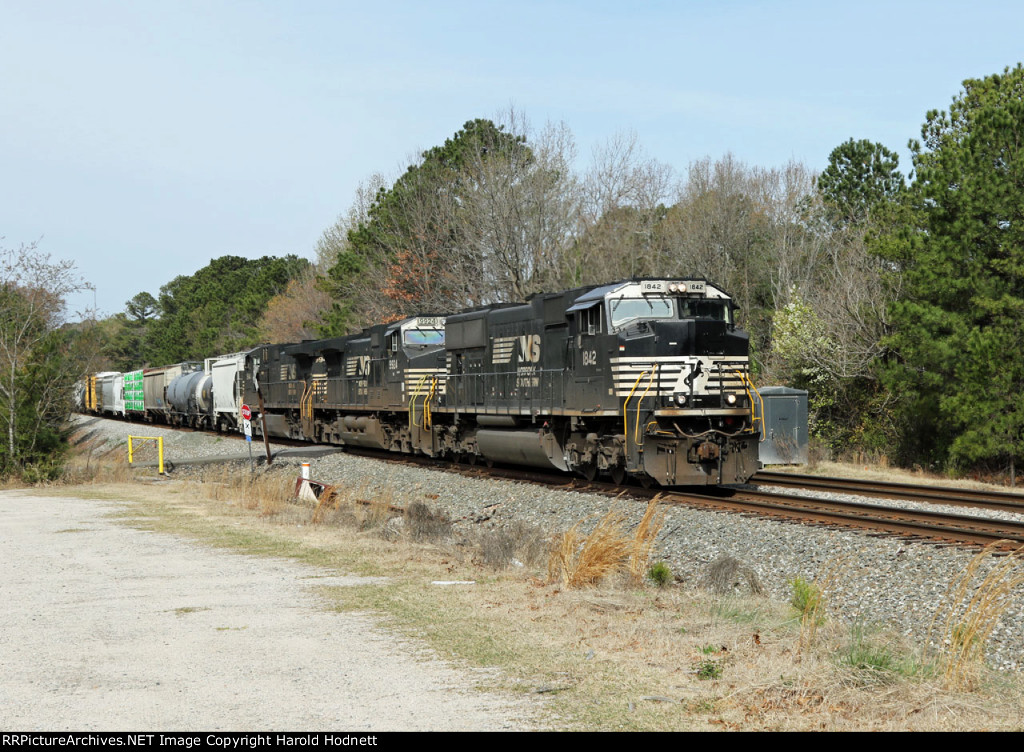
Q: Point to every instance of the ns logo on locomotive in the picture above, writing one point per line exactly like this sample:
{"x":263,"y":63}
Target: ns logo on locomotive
{"x":641,"y":378}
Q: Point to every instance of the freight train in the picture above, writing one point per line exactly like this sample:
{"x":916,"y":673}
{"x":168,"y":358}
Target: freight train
{"x":645,"y":378}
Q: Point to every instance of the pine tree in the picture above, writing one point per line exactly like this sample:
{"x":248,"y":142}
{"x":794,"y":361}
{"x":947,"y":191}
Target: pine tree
{"x":962,"y":264}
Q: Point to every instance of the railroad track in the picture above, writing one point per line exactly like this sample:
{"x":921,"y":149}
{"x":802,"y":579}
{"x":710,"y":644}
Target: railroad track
{"x":922,"y":524}
{"x":912,"y":523}
{"x":917,"y":523}
{"x":997,"y":500}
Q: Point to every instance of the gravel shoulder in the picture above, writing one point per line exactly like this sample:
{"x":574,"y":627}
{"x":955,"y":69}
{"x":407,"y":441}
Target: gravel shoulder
{"x":105,"y":627}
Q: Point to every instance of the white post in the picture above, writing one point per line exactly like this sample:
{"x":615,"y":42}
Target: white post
{"x":305,"y":492}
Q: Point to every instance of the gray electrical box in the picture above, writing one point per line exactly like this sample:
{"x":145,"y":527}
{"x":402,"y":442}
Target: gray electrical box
{"x":784,"y":428}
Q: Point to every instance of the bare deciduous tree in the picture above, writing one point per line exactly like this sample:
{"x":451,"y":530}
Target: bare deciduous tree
{"x":519,"y":211}
{"x":37,"y":369}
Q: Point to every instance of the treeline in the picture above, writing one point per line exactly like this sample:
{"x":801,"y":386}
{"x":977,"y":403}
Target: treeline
{"x":499,"y":212}
{"x":895,"y":302}
{"x":219,"y":309}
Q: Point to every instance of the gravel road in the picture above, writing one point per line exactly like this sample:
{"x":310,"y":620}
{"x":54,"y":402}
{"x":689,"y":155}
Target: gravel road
{"x":104,"y":627}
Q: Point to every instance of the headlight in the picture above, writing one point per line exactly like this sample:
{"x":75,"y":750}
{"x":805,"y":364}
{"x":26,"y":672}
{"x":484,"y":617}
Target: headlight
{"x":680,"y":399}
{"x":730,"y":399}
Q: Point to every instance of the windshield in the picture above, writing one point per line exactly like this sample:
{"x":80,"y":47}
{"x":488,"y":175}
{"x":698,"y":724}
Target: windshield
{"x":627,"y":310}
{"x":424,"y":336}
{"x":704,"y":309}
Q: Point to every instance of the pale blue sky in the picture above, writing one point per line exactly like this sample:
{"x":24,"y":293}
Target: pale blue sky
{"x":141,"y":139}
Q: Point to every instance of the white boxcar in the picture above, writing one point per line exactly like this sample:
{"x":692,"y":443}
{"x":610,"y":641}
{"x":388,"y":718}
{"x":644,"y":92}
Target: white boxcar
{"x":228,"y":373}
{"x":111,"y":384}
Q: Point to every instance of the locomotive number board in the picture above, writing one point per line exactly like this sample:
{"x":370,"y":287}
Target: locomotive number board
{"x":664,"y":287}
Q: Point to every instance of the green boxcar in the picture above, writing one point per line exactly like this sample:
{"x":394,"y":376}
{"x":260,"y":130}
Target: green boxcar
{"x":133,"y":394}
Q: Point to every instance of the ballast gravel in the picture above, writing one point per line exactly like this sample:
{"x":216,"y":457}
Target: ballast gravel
{"x":879,"y":580}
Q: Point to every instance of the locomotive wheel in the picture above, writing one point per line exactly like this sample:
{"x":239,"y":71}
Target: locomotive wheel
{"x":589,"y":470}
{"x":618,"y":475}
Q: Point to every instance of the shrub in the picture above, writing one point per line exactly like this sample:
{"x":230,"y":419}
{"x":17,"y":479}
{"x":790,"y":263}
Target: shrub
{"x":660,"y":574}
{"x":709,"y":669}
{"x":518,"y":541}
{"x":727,"y":574}
{"x":497,"y":548}
{"x":424,"y":524}
{"x":806,"y":597}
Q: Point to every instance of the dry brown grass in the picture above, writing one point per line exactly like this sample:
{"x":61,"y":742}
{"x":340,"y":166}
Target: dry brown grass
{"x":266,"y":492}
{"x":644,"y":538}
{"x":971,"y":609}
{"x":93,"y":461}
{"x":605,"y":657}
{"x":583,"y":560}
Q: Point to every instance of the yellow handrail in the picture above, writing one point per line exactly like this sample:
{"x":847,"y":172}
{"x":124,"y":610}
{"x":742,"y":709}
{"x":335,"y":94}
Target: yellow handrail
{"x":625,"y":405}
{"x":306,"y":403}
{"x":625,"y":408}
{"x":412,"y":402}
{"x":427,"y":417}
{"x":636,"y":434}
{"x":748,"y":386}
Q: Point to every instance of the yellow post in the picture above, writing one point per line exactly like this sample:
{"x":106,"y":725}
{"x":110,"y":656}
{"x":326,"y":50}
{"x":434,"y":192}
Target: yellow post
{"x":160,"y":449}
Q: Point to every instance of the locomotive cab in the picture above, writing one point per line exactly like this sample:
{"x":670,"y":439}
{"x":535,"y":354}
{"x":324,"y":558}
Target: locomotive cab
{"x":681,"y":370}
{"x":666,"y":359}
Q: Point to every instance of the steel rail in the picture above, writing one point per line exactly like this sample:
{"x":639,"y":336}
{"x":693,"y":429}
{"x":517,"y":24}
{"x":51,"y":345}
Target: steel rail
{"x":967,"y":497}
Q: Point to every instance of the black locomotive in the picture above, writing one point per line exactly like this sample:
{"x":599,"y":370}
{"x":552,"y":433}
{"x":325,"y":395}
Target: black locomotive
{"x":644,"y":378}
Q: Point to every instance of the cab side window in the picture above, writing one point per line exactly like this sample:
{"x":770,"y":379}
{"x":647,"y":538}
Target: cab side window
{"x":588,"y":321}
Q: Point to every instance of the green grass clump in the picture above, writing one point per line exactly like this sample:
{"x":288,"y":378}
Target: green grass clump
{"x":709,"y":669}
{"x":872,"y":659}
{"x":806,"y":597}
{"x":660,"y":574}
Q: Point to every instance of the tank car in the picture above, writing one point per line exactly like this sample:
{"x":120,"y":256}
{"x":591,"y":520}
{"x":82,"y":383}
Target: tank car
{"x":155,"y":383}
{"x":190,"y":400}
